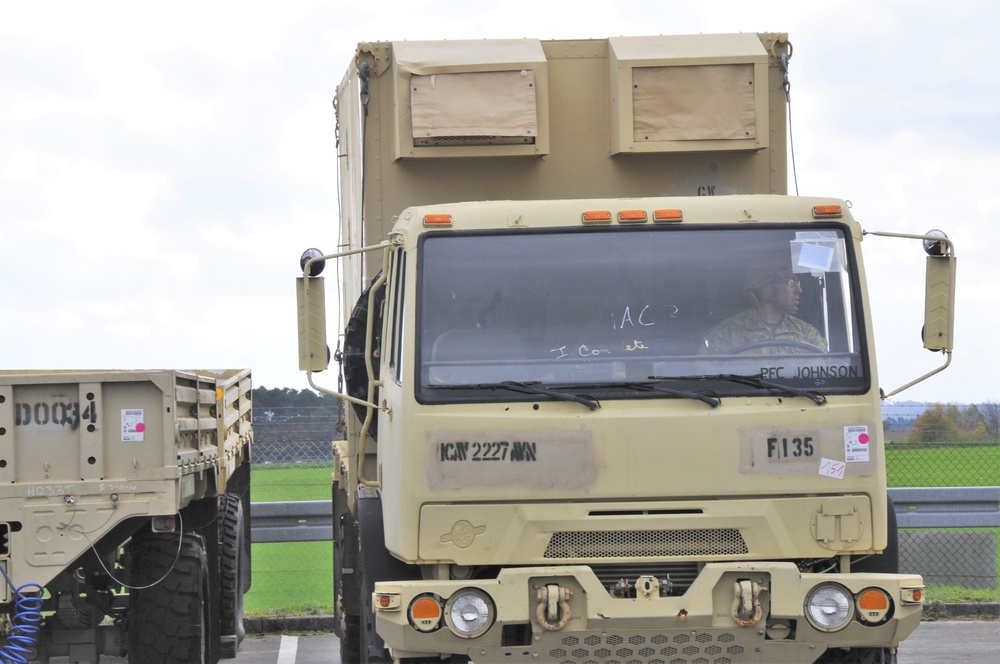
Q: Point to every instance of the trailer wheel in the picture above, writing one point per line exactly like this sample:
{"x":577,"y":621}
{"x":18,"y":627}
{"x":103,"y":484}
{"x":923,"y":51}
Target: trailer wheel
{"x":232,"y":561}
{"x":167,"y":622}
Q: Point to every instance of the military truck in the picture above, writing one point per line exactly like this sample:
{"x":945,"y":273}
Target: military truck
{"x":614,"y":392}
{"x":124,"y":514}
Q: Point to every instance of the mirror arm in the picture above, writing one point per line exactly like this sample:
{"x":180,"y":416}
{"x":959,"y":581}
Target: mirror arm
{"x":941,"y":368}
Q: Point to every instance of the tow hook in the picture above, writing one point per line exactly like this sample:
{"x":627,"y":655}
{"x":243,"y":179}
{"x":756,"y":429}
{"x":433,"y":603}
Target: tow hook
{"x":552,"y":610}
{"x":746,"y":603}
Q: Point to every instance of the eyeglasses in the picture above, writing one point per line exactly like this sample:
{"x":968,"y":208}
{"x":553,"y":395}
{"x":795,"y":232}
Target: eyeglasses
{"x":791,"y":283}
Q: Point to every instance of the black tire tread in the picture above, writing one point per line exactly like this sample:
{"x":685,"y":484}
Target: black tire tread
{"x":166,"y":621}
{"x":231,"y":563}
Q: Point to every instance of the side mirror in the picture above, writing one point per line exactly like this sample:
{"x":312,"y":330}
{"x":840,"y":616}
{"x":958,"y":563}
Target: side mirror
{"x":939,"y":302}
{"x":314,"y":354}
{"x":317,"y":267}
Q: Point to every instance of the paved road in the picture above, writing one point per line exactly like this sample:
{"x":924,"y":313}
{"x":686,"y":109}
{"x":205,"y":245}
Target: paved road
{"x":940,"y":642}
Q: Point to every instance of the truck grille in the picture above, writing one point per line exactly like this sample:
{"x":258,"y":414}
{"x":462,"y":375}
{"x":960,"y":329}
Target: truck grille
{"x":703,"y":647}
{"x":681,"y":574}
{"x":646,"y":543}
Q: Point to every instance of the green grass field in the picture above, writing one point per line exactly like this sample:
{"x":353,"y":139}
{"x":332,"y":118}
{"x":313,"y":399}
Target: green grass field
{"x":296,"y":578}
{"x":943,"y":464}
{"x":278,"y":482}
{"x":293,"y":578}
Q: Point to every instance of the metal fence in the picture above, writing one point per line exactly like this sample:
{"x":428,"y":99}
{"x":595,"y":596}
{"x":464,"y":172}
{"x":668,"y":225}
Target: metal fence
{"x":949,"y":538}
{"x":291,"y":575}
{"x":950,"y":535}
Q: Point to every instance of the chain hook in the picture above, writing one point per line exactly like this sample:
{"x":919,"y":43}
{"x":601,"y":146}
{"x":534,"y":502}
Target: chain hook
{"x":364,"y":74}
{"x":785,"y":85}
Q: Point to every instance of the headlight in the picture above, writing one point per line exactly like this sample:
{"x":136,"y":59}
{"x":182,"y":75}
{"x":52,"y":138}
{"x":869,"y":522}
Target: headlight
{"x":469,"y":613}
{"x":829,"y":607}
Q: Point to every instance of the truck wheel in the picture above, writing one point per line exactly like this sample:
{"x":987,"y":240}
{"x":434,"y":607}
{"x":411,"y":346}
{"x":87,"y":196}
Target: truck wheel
{"x":346,"y":553}
{"x":232,"y":561}
{"x":886,"y":562}
{"x":858,"y":656}
{"x":371,"y":650}
{"x":355,"y":338}
{"x":167,"y":621}
{"x":350,"y":639}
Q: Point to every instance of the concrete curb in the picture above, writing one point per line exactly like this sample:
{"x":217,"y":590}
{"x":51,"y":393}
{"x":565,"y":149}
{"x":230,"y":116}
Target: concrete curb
{"x":291,"y":624}
{"x":288,"y":624}
{"x":981,"y":610}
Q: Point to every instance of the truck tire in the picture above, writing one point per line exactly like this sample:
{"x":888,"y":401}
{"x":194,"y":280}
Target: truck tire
{"x":350,"y":639}
{"x":354,"y":366}
{"x":167,"y":619}
{"x":858,"y":656}
{"x":357,"y":631}
{"x":886,"y":562}
{"x":347,"y":595}
{"x":232,"y":561}
{"x":374,"y":563}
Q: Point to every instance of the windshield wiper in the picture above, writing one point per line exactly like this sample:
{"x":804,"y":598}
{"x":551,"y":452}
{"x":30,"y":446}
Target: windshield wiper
{"x":653,"y":385}
{"x":533,"y":387}
{"x":757,"y":381}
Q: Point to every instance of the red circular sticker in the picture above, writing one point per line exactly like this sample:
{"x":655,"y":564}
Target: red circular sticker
{"x":140,"y":427}
{"x":863,"y":438}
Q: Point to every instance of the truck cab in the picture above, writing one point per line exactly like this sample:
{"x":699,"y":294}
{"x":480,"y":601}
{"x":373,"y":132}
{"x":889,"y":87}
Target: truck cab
{"x":596,"y":415}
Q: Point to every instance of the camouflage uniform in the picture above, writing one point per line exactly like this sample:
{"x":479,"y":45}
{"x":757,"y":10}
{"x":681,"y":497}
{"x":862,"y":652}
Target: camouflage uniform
{"x":748,"y":327}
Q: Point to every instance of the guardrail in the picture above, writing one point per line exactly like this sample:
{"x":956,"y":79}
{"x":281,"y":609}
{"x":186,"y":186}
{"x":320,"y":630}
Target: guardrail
{"x":967,"y":507}
{"x":303,"y":521}
{"x":947,"y":507}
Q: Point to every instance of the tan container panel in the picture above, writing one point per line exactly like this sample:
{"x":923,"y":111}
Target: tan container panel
{"x":481,"y":106}
{"x":470,"y":98}
{"x":703,"y":93}
{"x":705,"y":102}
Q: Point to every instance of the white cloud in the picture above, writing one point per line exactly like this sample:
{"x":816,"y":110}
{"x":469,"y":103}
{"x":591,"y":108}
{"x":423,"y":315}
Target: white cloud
{"x":163,"y":166}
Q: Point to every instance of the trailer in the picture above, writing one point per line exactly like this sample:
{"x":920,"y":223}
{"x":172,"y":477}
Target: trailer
{"x":124,"y":514}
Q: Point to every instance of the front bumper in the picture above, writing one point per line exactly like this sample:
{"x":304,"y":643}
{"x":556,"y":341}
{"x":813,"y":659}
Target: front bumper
{"x":703,"y":625}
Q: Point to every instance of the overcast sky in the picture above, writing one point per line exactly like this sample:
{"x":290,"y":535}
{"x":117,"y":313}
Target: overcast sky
{"x":163,"y":165}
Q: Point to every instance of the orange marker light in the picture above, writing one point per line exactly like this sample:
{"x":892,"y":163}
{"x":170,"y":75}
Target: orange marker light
{"x":437,"y":220}
{"x":668,"y":215}
{"x":596,"y":216}
{"x":632,"y":216}
{"x":425,"y":608}
{"x":820,"y":211}
{"x":873,"y":600}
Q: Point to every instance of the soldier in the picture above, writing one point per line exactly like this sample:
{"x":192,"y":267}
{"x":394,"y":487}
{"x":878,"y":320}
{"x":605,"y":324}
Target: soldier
{"x":773,"y":291}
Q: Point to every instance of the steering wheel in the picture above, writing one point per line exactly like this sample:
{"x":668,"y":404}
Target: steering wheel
{"x":777,"y":343}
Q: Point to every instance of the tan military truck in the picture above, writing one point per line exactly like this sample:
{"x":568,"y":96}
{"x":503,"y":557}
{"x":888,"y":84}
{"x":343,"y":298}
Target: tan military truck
{"x":614,"y":392}
{"x":124,"y":514}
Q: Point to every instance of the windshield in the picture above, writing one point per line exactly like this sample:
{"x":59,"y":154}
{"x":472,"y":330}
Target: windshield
{"x":616,"y":311}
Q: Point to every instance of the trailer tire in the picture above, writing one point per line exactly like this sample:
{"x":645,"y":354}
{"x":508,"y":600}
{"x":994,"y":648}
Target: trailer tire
{"x":232,"y":561}
{"x":167,"y":618}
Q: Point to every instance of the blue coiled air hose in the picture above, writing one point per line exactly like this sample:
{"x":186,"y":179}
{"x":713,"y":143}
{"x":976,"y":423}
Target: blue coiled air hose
{"x":26,"y":623}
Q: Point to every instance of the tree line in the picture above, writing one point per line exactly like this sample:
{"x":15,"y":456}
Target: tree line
{"x":314,"y":415}
{"x":282,"y":414}
{"x":942,"y":423}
